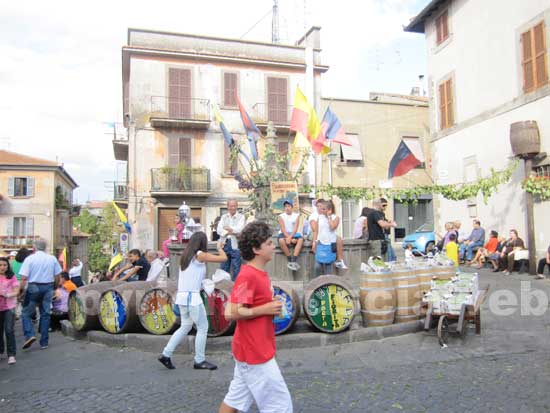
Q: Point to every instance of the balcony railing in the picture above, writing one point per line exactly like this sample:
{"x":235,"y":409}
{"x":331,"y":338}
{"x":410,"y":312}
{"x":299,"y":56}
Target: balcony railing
{"x":120,"y":191}
{"x":180,"y":109}
{"x":177,"y":180}
{"x":279,"y":115}
{"x":17,"y":241}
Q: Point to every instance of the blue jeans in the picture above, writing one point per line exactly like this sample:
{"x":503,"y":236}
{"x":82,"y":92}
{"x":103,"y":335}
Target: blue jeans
{"x":7,"y":321}
{"x":233,"y":263}
{"x":469,"y":249}
{"x":41,"y":295}
{"x":390,"y":253}
{"x":189,"y":315}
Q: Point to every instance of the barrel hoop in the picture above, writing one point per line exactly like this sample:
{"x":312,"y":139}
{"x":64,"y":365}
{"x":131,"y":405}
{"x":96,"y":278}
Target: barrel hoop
{"x":377,"y":289}
{"x":378,"y":312}
{"x":402,"y":287}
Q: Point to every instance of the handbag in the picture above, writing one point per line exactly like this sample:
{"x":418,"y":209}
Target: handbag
{"x":324,"y":254}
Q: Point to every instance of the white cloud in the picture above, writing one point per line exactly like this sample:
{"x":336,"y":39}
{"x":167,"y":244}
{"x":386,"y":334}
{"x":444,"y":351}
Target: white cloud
{"x":60,"y":75}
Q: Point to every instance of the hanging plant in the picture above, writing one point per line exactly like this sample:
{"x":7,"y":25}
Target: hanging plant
{"x":537,"y":186}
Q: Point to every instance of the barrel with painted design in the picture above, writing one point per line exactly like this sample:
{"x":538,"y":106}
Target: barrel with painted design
{"x":378,"y":299}
{"x":117,"y":307}
{"x":330,"y":304}
{"x":215,"y":304}
{"x":156,"y":312}
{"x":408,"y":296}
{"x":84,"y":305}
{"x":291,"y":307}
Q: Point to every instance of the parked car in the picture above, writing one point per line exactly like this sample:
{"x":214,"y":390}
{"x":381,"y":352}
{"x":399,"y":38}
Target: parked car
{"x":422,"y":240}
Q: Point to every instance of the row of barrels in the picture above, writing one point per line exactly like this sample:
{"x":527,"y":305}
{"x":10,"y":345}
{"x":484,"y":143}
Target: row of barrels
{"x":329,"y":305}
{"x":396,"y":296}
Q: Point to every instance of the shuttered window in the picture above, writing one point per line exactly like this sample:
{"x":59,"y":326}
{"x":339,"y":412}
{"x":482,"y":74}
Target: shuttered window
{"x":277,"y":100}
{"x":442,"y":27}
{"x":230,"y":167}
{"x":446,"y":104}
{"x":179,"y":93}
{"x":21,"y":186}
{"x":534,"y":58}
{"x":179,"y":151}
{"x":229,"y":89}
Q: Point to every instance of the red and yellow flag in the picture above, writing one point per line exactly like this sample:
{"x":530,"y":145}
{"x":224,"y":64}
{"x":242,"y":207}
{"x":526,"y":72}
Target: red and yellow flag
{"x":305,"y":123}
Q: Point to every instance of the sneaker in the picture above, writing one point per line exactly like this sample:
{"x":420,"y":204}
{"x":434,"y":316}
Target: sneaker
{"x":293,"y":266}
{"x":28,"y":342}
{"x":11,"y":360}
{"x":204,"y":366}
{"x":341,"y":264}
{"x":540,"y":276}
{"x":44,"y":347}
{"x":166,"y":362}
{"x":505,"y":272}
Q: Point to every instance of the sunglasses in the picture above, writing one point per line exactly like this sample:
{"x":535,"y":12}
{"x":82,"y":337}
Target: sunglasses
{"x":384,"y":206}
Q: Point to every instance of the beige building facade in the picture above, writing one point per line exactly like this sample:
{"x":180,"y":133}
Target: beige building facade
{"x":376,"y":127}
{"x":174,"y":149}
{"x":36,"y":201}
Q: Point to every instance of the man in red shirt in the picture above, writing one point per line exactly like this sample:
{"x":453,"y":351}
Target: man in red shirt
{"x":257,"y":377}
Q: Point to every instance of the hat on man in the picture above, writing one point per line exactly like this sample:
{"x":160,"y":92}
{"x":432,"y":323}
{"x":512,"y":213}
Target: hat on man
{"x":13,"y":253}
{"x":289,"y":202}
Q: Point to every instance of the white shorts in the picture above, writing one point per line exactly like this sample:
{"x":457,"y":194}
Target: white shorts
{"x":262,"y":383}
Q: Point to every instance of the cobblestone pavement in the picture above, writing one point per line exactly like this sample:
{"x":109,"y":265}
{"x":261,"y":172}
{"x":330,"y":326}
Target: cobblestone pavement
{"x":506,"y":369}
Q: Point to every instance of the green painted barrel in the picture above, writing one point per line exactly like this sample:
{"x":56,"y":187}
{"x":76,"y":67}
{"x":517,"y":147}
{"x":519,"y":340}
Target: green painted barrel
{"x":84,"y":305}
{"x":156,"y":309}
{"x":330,"y":304}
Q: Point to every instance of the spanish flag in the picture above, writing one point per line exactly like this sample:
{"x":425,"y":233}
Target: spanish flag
{"x":305,"y":123}
{"x":122,"y":218}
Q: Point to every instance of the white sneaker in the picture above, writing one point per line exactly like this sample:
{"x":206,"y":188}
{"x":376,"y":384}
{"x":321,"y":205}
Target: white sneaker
{"x":293,"y":266}
{"x":11,"y":360}
{"x":341,"y":264}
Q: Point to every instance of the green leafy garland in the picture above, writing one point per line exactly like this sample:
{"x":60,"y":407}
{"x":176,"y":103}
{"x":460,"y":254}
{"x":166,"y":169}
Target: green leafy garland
{"x":538,"y":186}
{"x":455,"y":192}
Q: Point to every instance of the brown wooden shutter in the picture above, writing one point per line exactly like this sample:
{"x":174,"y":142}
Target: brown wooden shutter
{"x":540,"y":55}
{"x":277,"y":100}
{"x":438,"y":28}
{"x":444,"y":26}
{"x":179,"y":93}
{"x":229,"y":89}
{"x":450,"y":103}
{"x":185,"y":152}
{"x":165,"y":222}
{"x":528,"y":78}
{"x":442,"y":106}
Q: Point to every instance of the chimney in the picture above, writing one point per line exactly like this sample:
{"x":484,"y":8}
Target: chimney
{"x":421,"y":90}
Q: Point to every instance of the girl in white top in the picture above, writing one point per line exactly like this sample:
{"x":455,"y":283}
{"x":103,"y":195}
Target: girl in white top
{"x":192,"y":273}
{"x":326,"y":233}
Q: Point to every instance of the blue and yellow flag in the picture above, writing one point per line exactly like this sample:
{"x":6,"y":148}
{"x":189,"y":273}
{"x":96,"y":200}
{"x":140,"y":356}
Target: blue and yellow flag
{"x":122,"y":218}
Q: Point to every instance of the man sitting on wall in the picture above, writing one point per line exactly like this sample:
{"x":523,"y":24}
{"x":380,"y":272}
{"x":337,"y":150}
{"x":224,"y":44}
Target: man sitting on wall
{"x":474,"y":241}
{"x":289,"y":223}
{"x":138,"y":268}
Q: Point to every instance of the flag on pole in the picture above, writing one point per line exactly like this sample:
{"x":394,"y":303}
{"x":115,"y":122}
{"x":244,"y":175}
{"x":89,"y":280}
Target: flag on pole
{"x":117,"y":259}
{"x":402,"y":162}
{"x":332,"y":128}
{"x":63,"y":259}
{"x":252,"y":131}
{"x":305,"y":123}
{"x":122,"y":217}
{"x":226,"y":135}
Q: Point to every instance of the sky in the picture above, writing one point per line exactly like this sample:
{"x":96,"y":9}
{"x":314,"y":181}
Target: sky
{"x":60,"y":76}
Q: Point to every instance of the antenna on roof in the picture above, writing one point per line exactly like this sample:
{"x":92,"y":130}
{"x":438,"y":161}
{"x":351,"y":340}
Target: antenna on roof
{"x":275,"y":23}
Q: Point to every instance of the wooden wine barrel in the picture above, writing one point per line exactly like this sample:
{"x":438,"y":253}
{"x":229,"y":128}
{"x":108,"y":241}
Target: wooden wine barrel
{"x":117,"y":307}
{"x":378,"y":299}
{"x":525,"y":138}
{"x":330,"y":304}
{"x":425,"y":275}
{"x":291,"y":307}
{"x":156,"y":313}
{"x":444,"y":272}
{"x":407,"y":290}
{"x":84,"y":305}
{"x":214,"y":304}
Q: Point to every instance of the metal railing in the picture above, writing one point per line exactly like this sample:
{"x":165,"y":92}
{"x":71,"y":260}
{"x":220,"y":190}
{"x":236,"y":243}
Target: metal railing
{"x":180,"y":180}
{"x":278,"y":114}
{"x":183,"y":109}
{"x":120,"y":191}
{"x":17,"y":241}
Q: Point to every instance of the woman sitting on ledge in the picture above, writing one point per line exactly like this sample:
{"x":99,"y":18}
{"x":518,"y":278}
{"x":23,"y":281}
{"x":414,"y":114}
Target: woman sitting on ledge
{"x":483,"y":253}
{"x":506,"y":260}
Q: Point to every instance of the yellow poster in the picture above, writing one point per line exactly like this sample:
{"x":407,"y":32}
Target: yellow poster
{"x":281,"y":192}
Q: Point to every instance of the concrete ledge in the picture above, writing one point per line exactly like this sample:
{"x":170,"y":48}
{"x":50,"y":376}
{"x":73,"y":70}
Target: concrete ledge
{"x":155,"y":344}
